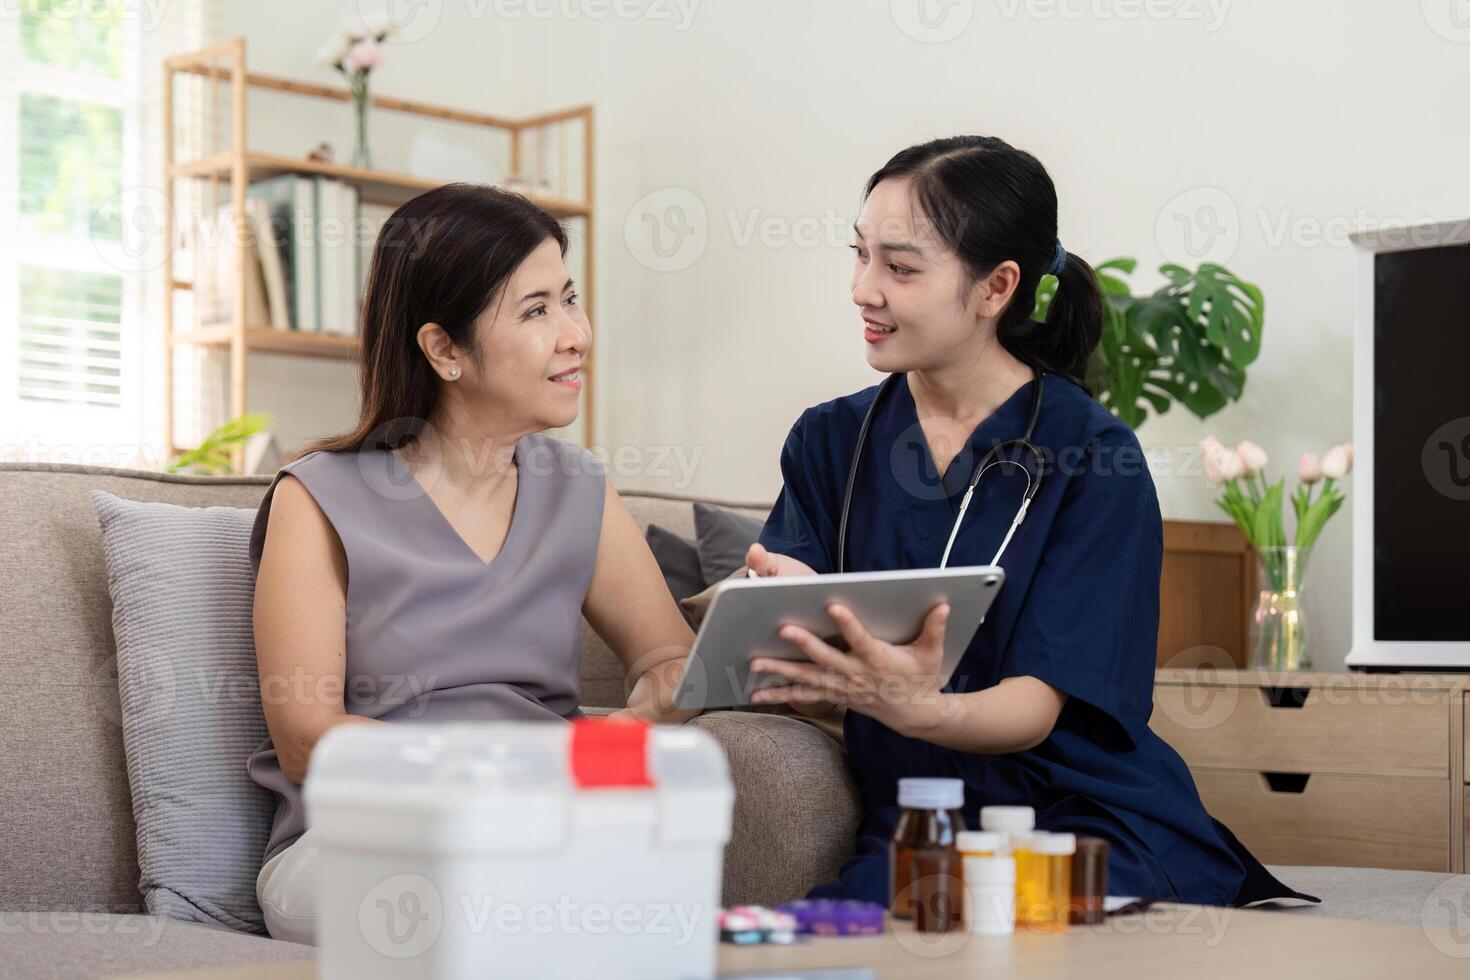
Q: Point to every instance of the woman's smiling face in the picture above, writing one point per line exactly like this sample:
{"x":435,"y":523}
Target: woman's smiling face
{"x":532,"y":340}
{"x":918,"y":304}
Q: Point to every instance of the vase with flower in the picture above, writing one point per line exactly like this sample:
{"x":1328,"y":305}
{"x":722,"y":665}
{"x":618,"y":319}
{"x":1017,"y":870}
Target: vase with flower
{"x":1279,"y":633}
{"x":354,"y":51}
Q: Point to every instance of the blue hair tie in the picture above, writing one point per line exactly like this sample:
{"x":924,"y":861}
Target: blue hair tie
{"x":1059,"y":261}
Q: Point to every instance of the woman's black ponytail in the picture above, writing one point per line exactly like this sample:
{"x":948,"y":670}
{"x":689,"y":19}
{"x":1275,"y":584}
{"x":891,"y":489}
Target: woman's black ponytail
{"x":991,"y":202}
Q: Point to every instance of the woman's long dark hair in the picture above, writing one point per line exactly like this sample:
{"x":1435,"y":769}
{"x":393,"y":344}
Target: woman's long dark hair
{"x":441,"y":258}
{"x":990,"y":202}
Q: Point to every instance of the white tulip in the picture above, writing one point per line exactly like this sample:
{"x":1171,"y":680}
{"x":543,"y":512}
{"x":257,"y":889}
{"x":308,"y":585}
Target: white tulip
{"x":1309,"y":469}
{"x":333,"y":50}
{"x":1338,"y":461}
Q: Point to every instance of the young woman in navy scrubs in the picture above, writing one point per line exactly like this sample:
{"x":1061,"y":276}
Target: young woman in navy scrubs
{"x":1050,"y":705}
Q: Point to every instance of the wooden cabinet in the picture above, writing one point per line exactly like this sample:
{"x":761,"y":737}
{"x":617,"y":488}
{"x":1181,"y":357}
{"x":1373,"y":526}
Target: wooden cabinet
{"x":1359,"y":770}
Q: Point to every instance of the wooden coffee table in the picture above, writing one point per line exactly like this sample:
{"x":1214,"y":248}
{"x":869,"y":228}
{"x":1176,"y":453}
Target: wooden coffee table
{"x":1167,"y":940}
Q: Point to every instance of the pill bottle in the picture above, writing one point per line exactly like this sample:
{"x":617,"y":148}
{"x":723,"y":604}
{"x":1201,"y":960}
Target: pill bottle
{"x":1046,"y":911}
{"x":990,"y":894}
{"x":1030,"y":874}
{"x":928,"y":821}
{"x":980,"y":843}
{"x":1089,"y":881}
{"x":1008,"y":819}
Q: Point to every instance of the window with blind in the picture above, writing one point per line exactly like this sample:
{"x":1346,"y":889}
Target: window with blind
{"x":69,"y":104}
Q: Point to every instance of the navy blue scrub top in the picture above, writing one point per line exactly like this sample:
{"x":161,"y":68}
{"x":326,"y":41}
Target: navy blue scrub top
{"x":1079,"y":610}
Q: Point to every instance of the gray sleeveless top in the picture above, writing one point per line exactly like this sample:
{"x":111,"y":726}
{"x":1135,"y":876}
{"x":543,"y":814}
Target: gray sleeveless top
{"x":433,"y":632}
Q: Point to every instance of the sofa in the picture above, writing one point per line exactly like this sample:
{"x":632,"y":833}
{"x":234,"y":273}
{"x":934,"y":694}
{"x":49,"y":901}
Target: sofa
{"x":69,"y":898}
{"x":70,"y":903}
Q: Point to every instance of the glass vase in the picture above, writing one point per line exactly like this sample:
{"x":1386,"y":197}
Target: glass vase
{"x":1279,"y":637}
{"x":361,"y":155}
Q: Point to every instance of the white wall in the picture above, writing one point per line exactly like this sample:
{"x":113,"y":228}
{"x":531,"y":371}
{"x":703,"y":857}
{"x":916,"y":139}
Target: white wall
{"x":1279,"y":125}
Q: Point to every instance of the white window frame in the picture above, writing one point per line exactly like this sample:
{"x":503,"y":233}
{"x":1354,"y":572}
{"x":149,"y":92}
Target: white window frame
{"x":99,"y":435}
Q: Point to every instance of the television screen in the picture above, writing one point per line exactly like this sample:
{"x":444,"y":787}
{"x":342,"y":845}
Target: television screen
{"x":1421,"y":440}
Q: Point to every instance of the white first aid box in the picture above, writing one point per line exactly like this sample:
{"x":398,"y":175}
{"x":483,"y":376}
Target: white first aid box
{"x":518,"y":849}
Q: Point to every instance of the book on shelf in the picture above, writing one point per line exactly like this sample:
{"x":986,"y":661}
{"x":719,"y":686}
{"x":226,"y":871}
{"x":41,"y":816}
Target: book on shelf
{"x":311,"y":256}
{"x":217,"y":247}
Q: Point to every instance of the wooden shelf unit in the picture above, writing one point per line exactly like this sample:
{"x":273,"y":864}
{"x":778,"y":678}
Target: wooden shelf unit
{"x":238,"y":166}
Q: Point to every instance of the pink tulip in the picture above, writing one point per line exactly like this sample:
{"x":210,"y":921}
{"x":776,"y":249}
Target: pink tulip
{"x":1210,"y":450}
{"x":1221,"y":464}
{"x":1252,"y":457}
{"x":1338,"y":462}
{"x":365,"y":55}
{"x":1232,"y":467}
{"x":1309,"y":469}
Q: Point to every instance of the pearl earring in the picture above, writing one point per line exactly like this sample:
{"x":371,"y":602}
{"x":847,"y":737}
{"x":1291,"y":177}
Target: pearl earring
{"x":454,"y":372}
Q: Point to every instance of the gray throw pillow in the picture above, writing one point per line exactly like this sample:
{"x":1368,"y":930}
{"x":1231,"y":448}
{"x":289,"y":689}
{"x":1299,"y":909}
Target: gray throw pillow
{"x":724,"y":538}
{"x":182,"y":594}
{"x":678,"y":559}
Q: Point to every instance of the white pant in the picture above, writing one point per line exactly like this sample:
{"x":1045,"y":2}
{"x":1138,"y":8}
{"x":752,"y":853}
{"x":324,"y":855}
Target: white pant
{"x":286,"y":891}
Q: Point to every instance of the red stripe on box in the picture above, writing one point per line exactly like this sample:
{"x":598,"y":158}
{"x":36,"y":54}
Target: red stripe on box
{"x":610,"y":753}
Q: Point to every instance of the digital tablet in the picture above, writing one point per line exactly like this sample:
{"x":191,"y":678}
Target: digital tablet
{"x":745,"y":615}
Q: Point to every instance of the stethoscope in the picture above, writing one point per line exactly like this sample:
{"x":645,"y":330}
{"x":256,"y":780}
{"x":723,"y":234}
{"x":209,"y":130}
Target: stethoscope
{"x":991,"y":459}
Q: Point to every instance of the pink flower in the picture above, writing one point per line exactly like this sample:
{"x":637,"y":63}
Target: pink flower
{"x":1309,"y":469}
{"x":1338,"y":462}
{"x":1253,"y":457}
{"x":365,"y":55}
{"x":1221,"y":464}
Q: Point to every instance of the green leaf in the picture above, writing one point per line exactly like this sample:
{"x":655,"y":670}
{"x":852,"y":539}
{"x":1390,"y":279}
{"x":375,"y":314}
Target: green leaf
{"x":213,"y":455}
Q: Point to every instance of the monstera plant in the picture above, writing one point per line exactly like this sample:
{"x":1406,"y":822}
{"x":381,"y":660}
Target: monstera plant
{"x":1189,"y":341}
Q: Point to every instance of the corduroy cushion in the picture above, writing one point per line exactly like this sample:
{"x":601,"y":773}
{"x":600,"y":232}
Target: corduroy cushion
{"x":182,"y":593}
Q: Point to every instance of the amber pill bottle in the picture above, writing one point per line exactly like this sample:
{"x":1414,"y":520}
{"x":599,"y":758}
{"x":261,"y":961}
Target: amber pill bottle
{"x":923,"y":847}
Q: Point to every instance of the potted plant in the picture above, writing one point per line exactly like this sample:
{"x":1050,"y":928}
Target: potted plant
{"x":213,"y":455}
{"x":1189,"y":341}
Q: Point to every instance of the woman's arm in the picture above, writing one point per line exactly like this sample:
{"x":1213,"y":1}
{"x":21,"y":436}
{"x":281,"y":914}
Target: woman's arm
{"x":629,"y":605}
{"x":300,"y":619}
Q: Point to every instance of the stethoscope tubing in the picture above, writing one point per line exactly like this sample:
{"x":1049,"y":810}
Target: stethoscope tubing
{"x":991,"y":459}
